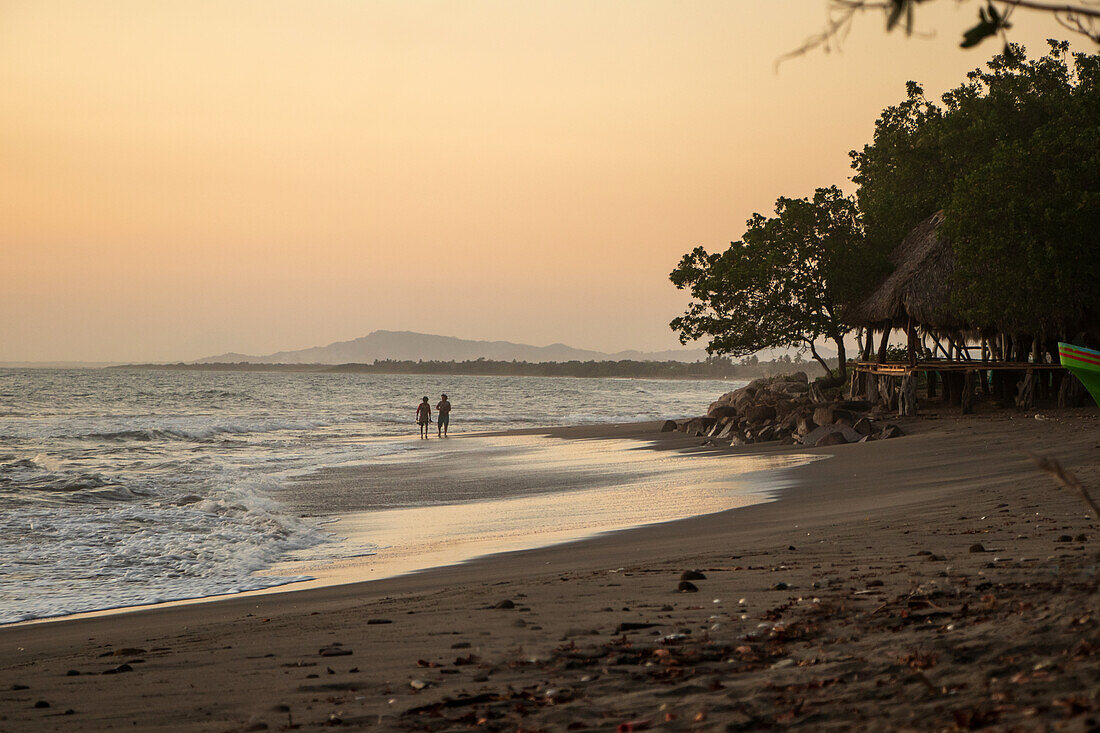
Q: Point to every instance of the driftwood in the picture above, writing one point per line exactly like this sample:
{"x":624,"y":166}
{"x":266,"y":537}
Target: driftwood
{"x":1067,"y":479}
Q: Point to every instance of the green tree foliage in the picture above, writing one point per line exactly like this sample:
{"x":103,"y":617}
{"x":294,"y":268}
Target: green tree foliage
{"x":784,"y":284}
{"x":1011,"y":156}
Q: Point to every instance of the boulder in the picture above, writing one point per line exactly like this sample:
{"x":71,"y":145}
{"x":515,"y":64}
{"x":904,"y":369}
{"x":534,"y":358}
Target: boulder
{"x":720,"y":411}
{"x":668,"y":426}
{"x":890,"y":431}
{"x":846,"y":435}
{"x":834,"y":438}
{"x":758,"y":414}
{"x":804,"y":425}
{"x":698,"y":425}
{"x":823,"y":415}
{"x":844,"y":417}
{"x":863,"y":426}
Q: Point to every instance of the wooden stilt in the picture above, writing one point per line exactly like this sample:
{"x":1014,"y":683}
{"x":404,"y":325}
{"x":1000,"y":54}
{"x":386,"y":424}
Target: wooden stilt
{"x":907,"y":396}
{"x":966,"y":401}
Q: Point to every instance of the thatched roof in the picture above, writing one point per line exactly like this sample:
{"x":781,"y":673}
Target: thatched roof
{"x":919,"y":287}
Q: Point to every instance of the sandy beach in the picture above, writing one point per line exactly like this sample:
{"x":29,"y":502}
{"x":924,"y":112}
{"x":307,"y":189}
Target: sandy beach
{"x":935,"y":582}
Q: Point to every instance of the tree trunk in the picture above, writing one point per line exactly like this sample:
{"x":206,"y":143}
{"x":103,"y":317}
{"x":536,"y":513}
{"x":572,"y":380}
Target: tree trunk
{"x":907,"y":396}
{"x":966,"y":400}
{"x":841,"y":359}
{"x":819,"y":360}
{"x":883,"y":345}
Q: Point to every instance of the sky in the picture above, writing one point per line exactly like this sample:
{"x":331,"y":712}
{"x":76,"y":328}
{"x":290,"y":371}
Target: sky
{"x":180,"y":179}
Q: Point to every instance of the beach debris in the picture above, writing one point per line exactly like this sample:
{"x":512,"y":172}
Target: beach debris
{"x":41,"y":704}
{"x":378,"y":621}
{"x":334,"y":651}
{"x":687,"y":586}
{"x":419,"y":684}
{"x":692,"y":575}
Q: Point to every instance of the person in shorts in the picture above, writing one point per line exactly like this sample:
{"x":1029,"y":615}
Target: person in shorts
{"x":443,"y":419}
{"x":424,"y":416}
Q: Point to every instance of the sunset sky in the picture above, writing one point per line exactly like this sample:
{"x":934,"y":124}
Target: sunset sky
{"x":179,"y":179}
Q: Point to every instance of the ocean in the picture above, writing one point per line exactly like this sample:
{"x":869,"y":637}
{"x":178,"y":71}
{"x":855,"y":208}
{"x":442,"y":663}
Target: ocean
{"x":129,"y":487}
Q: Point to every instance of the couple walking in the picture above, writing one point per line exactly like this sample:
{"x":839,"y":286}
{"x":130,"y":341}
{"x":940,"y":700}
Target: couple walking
{"x":424,"y":416}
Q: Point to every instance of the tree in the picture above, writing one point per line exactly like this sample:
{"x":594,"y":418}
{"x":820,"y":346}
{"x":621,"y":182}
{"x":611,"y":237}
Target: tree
{"x":994,"y":19}
{"x":1011,"y":158}
{"x":784,"y":284}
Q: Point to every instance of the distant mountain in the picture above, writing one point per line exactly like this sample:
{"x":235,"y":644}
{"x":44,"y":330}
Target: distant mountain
{"x":406,"y":345}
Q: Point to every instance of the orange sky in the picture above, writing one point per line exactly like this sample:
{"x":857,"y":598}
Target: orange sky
{"x":180,"y":179}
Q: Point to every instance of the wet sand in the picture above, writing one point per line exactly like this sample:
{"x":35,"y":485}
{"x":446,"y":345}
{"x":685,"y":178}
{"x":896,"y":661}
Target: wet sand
{"x":854,"y":600}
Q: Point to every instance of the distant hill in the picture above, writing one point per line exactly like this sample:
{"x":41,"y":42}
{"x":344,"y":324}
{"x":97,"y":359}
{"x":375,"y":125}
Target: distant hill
{"x":410,"y":346}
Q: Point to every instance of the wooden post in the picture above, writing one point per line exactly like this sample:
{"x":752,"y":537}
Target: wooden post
{"x":907,"y":396}
{"x":966,"y":400}
{"x":931,"y":377}
{"x":1025,"y":398}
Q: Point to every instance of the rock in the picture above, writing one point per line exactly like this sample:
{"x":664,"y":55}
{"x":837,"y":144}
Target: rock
{"x":418,"y":684}
{"x":1081,"y":538}
{"x":698,"y":426}
{"x":823,"y":415}
{"x":890,"y":431}
{"x":728,"y":431}
{"x":781,"y":586}
{"x":73,"y":673}
{"x":334,"y":651}
{"x":804,"y":425}
{"x":632,"y":626}
{"x":719,"y":412}
{"x":692,"y":575}
{"x":461,"y":645}
{"x":834,"y":438}
{"x":505,"y":604}
{"x":41,"y":704}
{"x":668,"y":426}
{"x":17,"y":687}
{"x":376,"y":621}
{"x":876,"y":583}
{"x":977,"y":547}
{"x":1064,"y":538}
{"x":863,"y":426}
{"x":844,"y":417}
{"x":687,"y":587}
{"x":758,"y":414}
{"x":844,"y":434}
{"x":853,"y":405}
{"x":119,"y":669}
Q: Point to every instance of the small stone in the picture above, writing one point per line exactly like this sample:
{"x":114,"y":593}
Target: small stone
{"x":1081,"y":538}
{"x":376,"y":621}
{"x":418,"y":684}
{"x":17,"y":687}
{"x":505,"y":604}
{"x":687,"y":587}
{"x":977,"y":547}
{"x":73,"y":673}
{"x":876,"y":583}
{"x":692,"y":575}
{"x":792,"y":548}
{"x":41,"y":704}
{"x":1064,"y":538}
{"x":665,"y":608}
{"x":334,"y":651}
{"x":119,"y":669}
{"x":461,"y":645}
{"x":781,"y":586}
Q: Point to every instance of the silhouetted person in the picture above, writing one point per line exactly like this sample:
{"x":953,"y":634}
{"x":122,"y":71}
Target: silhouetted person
{"x":444,"y":417}
{"x":423,"y":417}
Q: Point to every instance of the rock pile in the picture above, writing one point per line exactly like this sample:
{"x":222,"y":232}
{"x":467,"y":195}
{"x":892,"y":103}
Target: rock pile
{"x":781,"y":409}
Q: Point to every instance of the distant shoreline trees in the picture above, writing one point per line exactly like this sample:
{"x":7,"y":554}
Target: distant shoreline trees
{"x":712,"y":368}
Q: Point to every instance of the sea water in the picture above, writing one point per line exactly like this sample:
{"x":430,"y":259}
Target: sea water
{"x":128,"y":487}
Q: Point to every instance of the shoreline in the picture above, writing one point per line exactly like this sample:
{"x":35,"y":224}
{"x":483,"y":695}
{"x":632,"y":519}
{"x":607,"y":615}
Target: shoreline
{"x":868,"y":510}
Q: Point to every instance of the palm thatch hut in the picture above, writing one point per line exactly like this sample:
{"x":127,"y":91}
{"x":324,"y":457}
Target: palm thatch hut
{"x":917,"y":294}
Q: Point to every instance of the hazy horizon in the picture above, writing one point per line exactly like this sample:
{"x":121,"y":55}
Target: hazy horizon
{"x":187,"y":179}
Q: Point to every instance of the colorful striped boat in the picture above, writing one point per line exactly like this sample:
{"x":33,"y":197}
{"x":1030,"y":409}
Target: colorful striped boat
{"x":1084,"y":364}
